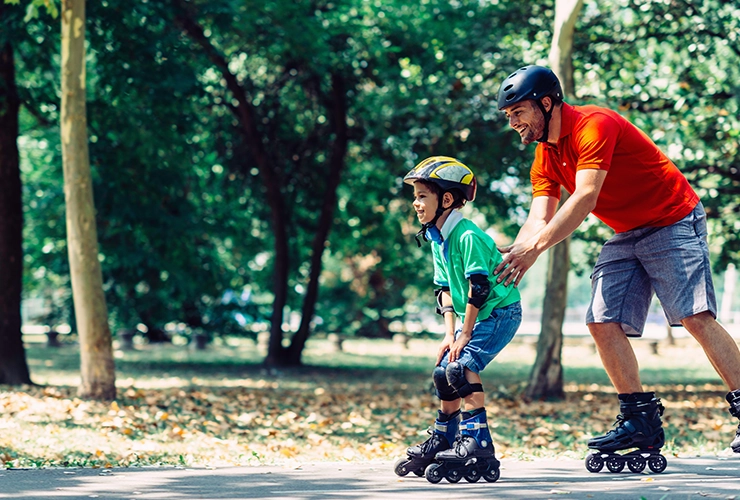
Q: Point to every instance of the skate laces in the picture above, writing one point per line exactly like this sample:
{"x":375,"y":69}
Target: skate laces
{"x":431,"y":442}
{"x":460,"y":442}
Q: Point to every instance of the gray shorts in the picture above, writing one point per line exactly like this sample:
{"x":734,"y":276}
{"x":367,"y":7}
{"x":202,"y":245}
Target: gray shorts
{"x":672,"y":261}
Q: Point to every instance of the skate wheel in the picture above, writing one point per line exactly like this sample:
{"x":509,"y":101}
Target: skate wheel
{"x":472,"y":476}
{"x":492,"y":475}
{"x":636,"y":464}
{"x":594,"y":463}
{"x":453,"y":476}
{"x":614,"y":464}
{"x":657,"y":463}
{"x":401,"y":467}
{"x":418,"y":472}
{"x":432,"y":473}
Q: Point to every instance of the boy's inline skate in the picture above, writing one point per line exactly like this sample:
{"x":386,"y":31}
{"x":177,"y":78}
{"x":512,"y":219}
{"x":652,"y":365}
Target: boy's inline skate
{"x":443,"y":434}
{"x":472,"y":456}
{"x":733,"y":398}
{"x":638,"y":426}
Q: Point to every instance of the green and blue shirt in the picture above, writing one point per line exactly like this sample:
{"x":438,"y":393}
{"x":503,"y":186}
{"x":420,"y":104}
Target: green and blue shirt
{"x":464,"y":250}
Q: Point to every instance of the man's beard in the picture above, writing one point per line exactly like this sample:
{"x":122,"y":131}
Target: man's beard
{"x":534,"y":131}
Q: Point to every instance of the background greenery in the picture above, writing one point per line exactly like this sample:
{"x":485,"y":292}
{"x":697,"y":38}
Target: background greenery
{"x":184,"y":216}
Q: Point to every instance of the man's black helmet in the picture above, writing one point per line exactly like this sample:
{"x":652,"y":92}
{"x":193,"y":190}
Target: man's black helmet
{"x":529,"y":82}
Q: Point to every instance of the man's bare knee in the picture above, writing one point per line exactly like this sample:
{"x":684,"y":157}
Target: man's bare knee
{"x":605,"y":329}
{"x":698,"y":321}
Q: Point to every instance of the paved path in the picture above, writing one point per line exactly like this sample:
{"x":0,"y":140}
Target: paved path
{"x":685,"y":478}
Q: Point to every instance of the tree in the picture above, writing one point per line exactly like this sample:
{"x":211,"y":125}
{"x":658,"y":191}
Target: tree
{"x":546,"y":377}
{"x":96,"y":354}
{"x":13,"y":366}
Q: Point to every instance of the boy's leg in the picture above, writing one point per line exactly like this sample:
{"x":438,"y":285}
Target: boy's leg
{"x":473,"y":454}
{"x":477,"y":399}
{"x":442,"y":434}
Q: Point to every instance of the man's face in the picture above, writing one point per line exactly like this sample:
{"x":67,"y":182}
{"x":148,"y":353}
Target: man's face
{"x":425,"y":203}
{"x":526,"y":118}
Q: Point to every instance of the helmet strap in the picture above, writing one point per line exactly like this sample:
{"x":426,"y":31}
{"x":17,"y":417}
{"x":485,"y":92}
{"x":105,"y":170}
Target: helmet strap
{"x":547,"y":115}
{"x":432,"y":223}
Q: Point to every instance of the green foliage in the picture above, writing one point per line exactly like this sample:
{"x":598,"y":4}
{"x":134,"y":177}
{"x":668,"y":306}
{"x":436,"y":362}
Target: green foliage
{"x":35,"y":6}
{"x":183,"y":213}
{"x":672,"y":68}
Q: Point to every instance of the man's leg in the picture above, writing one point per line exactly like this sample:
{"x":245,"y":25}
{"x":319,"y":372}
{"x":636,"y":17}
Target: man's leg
{"x":724,"y":355}
{"x":718,"y":345}
{"x":617,"y":356}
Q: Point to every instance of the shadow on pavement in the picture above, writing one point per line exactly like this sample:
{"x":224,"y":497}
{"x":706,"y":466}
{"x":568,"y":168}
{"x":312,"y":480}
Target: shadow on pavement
{"x":700,"y":478}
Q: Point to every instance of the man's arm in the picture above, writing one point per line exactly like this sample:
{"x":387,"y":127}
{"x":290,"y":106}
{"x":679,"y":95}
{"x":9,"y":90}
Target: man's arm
{"x":521,"y":255}
{"x":541,"y":212}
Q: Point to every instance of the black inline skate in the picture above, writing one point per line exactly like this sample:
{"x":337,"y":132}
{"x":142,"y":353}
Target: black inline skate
{"x":638,"y":426}
{"x":472,"y":456}
{"x":733,"y":398}
{"x":443,"y":434}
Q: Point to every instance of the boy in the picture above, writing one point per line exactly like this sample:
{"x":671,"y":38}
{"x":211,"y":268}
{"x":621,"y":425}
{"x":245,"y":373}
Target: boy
{"x":464,"y":260}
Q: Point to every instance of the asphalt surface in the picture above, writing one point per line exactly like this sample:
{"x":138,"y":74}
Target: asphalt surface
{"x":684,"y":478}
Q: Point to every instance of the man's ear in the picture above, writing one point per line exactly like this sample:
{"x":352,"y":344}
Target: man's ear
{"x":547,"y":103}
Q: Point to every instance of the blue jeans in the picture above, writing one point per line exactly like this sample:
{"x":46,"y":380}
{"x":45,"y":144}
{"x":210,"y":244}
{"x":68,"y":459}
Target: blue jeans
{"x":490,"y":336}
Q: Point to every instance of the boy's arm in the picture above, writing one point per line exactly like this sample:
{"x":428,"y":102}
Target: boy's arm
{"x":471,"y":316}
{"x":445,"y":301}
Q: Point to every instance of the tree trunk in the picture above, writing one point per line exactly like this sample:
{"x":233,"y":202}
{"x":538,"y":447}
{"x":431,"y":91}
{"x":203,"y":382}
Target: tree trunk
{"x":97,"y":369}
{"x":246,"y":114}
{"x":546,"y":378}
{"x":13,"y":366}
{"x":561,"y":50}
{"x":339,"y":120}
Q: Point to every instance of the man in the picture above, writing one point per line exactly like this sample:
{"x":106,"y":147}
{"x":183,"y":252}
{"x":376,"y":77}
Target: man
{"x":613,"y":170}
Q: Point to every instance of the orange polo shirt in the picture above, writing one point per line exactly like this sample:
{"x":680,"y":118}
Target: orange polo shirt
{"x":643,"y":187}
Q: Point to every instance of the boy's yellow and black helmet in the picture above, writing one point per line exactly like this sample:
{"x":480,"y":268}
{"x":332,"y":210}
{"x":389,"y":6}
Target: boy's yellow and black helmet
{"x":447,"y":173}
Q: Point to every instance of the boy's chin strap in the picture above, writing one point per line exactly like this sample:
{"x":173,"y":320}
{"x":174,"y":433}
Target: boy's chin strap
{"x":429,"y":225}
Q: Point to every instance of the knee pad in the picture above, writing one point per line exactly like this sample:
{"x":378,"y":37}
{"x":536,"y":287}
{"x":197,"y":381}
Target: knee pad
{"x":455,"y":374}
{"x":445,"y":392}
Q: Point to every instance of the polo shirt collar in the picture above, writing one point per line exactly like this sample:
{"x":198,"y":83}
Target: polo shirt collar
{"x":452,"y":221}
{"x":567,"y":117}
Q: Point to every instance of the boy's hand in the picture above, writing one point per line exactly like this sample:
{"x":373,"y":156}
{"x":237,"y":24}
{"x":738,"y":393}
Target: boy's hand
{"x":457,"y":346}
{"x":444,"y":347}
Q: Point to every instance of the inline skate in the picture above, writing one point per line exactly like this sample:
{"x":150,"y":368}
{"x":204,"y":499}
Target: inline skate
{"x":471,"y":457}
{"x":637,"y":426}
{"x":443,"y":434}
{"x":733,"y":397}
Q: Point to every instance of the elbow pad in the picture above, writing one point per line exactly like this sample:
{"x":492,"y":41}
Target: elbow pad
{"x":441,"y":310}
{"x":480,"y":287}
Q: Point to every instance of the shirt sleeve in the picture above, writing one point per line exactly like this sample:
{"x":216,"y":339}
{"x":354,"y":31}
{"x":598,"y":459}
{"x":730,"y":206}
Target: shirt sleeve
{"x":476,"y":254}
{"x":596,"y":140}
{"x":542,"y":185}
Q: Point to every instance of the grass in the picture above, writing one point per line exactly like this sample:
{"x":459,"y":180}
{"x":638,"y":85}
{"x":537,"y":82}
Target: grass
{"x":177,"y":406}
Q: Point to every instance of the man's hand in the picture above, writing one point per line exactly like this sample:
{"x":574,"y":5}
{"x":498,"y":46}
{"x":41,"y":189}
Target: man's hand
{"x":518,"y":258}
{"x":457,"y":346}
{"x":444,"y":347}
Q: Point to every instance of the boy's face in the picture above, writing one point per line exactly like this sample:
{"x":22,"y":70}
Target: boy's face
{"x":425,"y":203}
